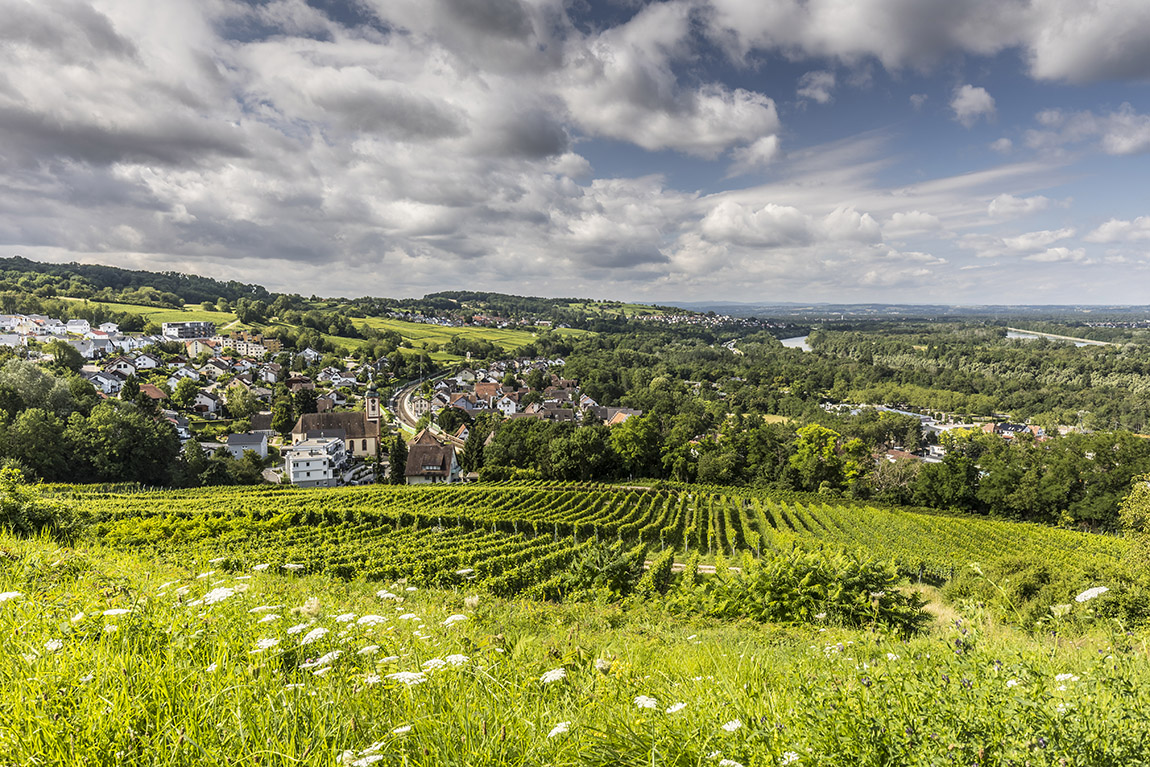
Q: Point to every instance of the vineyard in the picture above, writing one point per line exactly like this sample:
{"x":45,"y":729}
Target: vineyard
{"x":510,"y":538}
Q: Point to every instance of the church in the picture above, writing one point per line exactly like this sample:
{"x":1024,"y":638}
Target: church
{"x":359,"y":430}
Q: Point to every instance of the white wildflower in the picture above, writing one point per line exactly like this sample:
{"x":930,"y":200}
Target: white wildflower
{"x":345,"y":618}
{"x":554,"y":675}
{"x":31,"y":656}
{"x":371,"y":620}
{"x":208,"y":574}
{"x":465,"y":571}
{"x":714,"y":754}
{"x":109,"y":628}
{"x":409,"y":617}
{"x":299,"y":627}
{"x":457,"y":660}
{"x":408,"y":677}
{"x":217,"y":595}
{"x":182,"y":591}
{"x":321,"y":671}
{"x":645,"y":701}
{"x":390,"y":659}
{"x":385,"y":594}
{"x":821,"y":616}
{"x":264,"y":644}
{"x":729,"y":763}
{"x":261,"y":567}
{"x":313,"y":635}
{"x":788,"y":757}
{"x":212,"y":668}
{"x":371,"y":649}
{"x":292,"y":566}
{"x":87,"y":678}
{"x":269,"y":618}
{"x":367,"y":760}
{"x":454,"y":619}
{"x":433,"y":663}
{"x":401,"y":730}
{"x":471,"y":602}
{"x":216,"y":561}
{"x":78,"y":617}
{"x":1012,"y":683}
{"x":52,"y":645}
{"x":676,"y":708}
{"x":891,"y":656}
{"x":117,"y":611}
{"x":411,"y":588}
{"x":1066,"y":678}
{"x":559,"y":729}
{"x":1089,"y":594}
{"x":322,"y":660}
{"x":733,"y":725}
{"x":243,"y":577}
{"x":371,"y":679}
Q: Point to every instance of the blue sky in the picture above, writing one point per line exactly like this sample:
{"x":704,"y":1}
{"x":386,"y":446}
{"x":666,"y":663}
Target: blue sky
{"x":941,"y":151}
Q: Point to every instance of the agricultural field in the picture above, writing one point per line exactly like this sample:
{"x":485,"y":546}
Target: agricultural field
{"x":161,"y":315}
{"x":421,"y":334}
{"x":516,"y":538}
{"x":133,"y":658}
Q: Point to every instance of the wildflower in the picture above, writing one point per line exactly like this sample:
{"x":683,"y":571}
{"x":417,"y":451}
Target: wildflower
{"x":217,"y":595}
{"x":78,"y":617}
{"x":292,"y":566}
{"x":310,"y":608}
{"x":109,"y":628}
{"x":371,"y":649}
{"x":732,"y":725}
{"x":1012,"y":683}
{"x":345,"y":618}
{"x":52,"y":645}
{"x":729,"y":763}
{"x":457,"y":660}
{"x":385,"y":594}
{"x":408,"y":617}
{"x":603,"y":666}
{"x":87,"y":678}
{"x":1089,"y":594}
{"x":1066,"y":678}
{"x":298,"y":627}
{"x":821,"y":616}
{"x":877,"y":594}
{"x":182,"y":591}
{"x":264,"y":644}
{"x":676,"y":708}
{"x":559,"y":729}
{"x":208,"y":574}
{"x":432,"y":663}
{"x":243,"y":577}
{"x":117,"y":611}
{"x":454,"y":619}
{"x":31,"y":656}
{"x":269,"y":618}
{"x":260,"y":568}
{"x":321,"y":671}
{"x":212,"y":668}
{"x":714,"y":754}
{"x":465,"y":571}
{"x":891,"y":656}
{"x":645,"y":701}
{"x":371,"y":679}
{"x":322,"y":660}
{"x":554,"y":675}
{"x":471,"y":602}
{"x":390,"y":659}
{"x":367,"y":760}
{"x":370,"y":620}
{"x":788,"y":757}
{"x":411,"y":588}
{"x":409,"y":678}
{"x":401,"y":730}
{"x":312,"y":635}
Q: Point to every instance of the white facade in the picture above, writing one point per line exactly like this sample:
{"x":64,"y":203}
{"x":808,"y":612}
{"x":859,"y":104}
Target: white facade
{"x":315,"y":462}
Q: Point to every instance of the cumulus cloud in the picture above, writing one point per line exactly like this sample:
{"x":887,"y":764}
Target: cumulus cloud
{"x":1118,"y":230}
{"x":817,"y":86}
{"x":969,"y":103}
{"x":758,"y":155}
{"x":911,"y":222}
{"x":1036,"y":240}
{"x":1058,"y":255}
{"x":1009,"y":206}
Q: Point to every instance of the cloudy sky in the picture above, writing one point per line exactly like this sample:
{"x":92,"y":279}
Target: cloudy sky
{"x":956,"y":151}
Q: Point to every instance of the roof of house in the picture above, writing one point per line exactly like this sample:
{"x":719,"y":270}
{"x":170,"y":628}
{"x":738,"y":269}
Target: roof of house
{"x":354,"y":424}
{"x":235,"y":440}
{"x":152,"y":391}
{"x":425,"y":460}
{"x":261,"y":422}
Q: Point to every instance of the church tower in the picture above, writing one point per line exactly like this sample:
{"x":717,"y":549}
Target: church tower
{"x":371,"y":405}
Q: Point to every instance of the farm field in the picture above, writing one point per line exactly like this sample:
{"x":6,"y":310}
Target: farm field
{"x":513,"y":538}
{"x":160,"y":315}
{"x":421,"y":334}
{"x":114,"y":657}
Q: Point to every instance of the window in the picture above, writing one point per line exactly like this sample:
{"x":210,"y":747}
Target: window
{"x":365,"y":446}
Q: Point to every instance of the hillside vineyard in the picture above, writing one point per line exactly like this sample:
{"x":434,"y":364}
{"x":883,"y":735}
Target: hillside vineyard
{"x":516,"y":538}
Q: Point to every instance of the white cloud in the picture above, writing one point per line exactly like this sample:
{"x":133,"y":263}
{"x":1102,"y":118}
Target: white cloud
{"x":970,"y":103}
{"x":758,"y":155}
{"x":1036,"y":240}
{"x":1009,"y":206}
{"x":1121,"y":132}
{"x":1002,"y":145}
{"x":1058,"y":255}
{"x":917,"y":100}
{"x":1118,"y":230}
{"x":911,"y":222}
{"x":817,"y":86}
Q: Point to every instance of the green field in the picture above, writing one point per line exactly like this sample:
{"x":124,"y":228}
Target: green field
{"x":160,"y":315}
{"x":419,"y":334}
{"x":231,"y":626}
{"x":600,"y":309}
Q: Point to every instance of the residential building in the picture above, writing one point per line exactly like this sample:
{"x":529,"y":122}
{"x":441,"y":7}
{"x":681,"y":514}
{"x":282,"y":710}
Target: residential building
{"x":257,"y":443}
{"x":315,"y":462}
{"x":429,"y":462}
{"x":182,"y":330}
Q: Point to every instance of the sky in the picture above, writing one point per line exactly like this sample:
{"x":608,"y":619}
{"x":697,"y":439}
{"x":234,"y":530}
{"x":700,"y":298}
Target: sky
{"x":909,"y":151}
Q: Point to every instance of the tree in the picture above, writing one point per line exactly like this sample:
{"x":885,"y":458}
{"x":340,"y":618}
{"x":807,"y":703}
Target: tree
{"x":305,"y":401}
{"x":815,"y":460}
{"x":282,"y":417}
{"x":65,"y":356}
{"x":185,"y":394}
{"x":35,"y":439}
{"x":638,"y":443}
{"x":537,"y":379}
{"x":241,"y":402}
{"x":397,"y":459}
{"x":1134,"y":511}
{"x":451,"y":418}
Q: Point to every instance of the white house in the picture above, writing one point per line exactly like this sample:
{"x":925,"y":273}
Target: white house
{"x":109,"y":327}
{"x":148,"y":362}
{"x":79,"y":327}
{"x":315,"y":462}
{"x":238,"y":443}
{"x":121,"y":365}
{"x":507,"y":405}
{"x":107,"y":383}
{"x":206,"y":402}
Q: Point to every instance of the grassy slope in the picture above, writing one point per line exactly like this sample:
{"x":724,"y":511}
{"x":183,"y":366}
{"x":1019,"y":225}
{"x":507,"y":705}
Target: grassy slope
{"x":179,"y":682}
{"x":160,"y":315}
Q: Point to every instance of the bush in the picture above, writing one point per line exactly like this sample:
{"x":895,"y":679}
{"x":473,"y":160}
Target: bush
{"x":25,"y":512}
